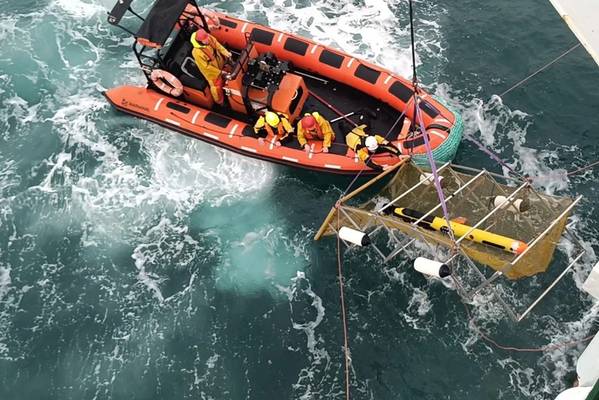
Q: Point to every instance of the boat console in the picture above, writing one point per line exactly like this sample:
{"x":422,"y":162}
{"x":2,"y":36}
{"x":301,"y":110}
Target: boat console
{"x":256,"y":82}
{"x":261,"y":81}
{"x":265,"y":72}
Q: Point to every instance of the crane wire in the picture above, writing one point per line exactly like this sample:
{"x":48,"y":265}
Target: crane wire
{"x":543,"y":68}
{"x":343,"y":315}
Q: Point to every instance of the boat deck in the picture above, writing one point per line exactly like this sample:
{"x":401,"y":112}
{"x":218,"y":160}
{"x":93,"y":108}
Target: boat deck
{"x":377,"y":115}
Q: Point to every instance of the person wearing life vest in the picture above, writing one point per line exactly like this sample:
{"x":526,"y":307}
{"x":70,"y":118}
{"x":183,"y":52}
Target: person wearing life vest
{"x":365,"y":146}
{"x":313,"y":126}
{"x":210,"y":57}
{"x":275,"y":125}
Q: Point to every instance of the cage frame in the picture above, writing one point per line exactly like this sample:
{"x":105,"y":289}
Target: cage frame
{"x":382,"y":222}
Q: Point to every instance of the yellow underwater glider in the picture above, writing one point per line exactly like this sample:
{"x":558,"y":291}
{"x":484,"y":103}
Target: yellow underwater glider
{"x":461,"y":230}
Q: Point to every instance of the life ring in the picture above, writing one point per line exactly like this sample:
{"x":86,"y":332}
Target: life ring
{"x":191,"y":12}
{"x":167,"y":82}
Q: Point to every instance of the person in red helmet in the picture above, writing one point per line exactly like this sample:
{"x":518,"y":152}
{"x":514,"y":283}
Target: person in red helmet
{"x":314,"y":127}
{"x":210,"y":56}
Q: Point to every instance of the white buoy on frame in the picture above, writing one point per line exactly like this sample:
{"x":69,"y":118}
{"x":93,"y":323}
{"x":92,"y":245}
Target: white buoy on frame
{"x":428,"y":179}
{"x":431,"y":267}
{"x":518,"y":205}
{"x":353,"y":236}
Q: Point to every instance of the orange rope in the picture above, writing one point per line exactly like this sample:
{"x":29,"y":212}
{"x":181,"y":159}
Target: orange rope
{"x":523,"y":350}
{"x":345,"y":341}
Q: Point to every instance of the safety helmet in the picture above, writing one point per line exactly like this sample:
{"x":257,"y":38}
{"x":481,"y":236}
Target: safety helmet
{"x":308,"y":122}
{"x":371,"y":143}
{"x":272,"y":119}
{"x":201,"y":36}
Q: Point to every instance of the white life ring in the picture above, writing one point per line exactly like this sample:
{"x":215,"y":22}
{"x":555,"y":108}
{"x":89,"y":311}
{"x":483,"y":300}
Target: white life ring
{"x":167,"y":82}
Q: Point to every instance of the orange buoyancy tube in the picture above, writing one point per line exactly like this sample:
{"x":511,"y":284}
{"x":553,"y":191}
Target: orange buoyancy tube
{"x":191,"y":12}
{"x":167,"y":82}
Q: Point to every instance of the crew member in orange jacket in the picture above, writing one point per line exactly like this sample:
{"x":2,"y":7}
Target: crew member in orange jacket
{"x":314,"y":126}
{"x":210,"y":56}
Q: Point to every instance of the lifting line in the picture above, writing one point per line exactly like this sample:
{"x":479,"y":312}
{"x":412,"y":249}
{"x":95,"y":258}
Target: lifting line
{"x":542,"y":349}
{"x":343,"y":318}
{"x":523,"y":81}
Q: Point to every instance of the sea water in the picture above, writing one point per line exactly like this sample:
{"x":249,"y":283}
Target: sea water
{"x":136,"y":263}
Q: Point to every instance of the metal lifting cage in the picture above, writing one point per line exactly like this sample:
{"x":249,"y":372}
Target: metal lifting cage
{"x":489,"y":202}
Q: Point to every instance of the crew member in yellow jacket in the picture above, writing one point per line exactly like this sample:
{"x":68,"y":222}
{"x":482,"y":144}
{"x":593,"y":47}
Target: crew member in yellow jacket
{"x":274,"y":125}
{"x":365,"y":146}
{"x":210,"y":56}
{"x":314,"y":126}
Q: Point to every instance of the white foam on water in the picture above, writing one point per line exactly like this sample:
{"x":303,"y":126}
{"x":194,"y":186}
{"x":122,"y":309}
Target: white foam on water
{"x":367,"y":29}
{"x":8,"y":306}
{"x":59,"y":165}
{"x":301,"y":299}
{"x":183,"y":172}
{"x":166,"y":246}
{"x":21,"y":111}
{"x":82,"y":9}
{"x":263,"y":258}
{"x":5,"y":281}
{"x":8,"y":28}
{"x":503,"y":130}
{"x":420,"y":302}
{"x":9,"y":177}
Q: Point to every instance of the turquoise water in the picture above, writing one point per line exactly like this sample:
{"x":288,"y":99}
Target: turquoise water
{"x":137,"y":263}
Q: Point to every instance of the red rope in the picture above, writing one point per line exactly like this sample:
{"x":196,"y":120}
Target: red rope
{"x":583,"y":169}
{"x":518,"y":349}
{"x":345,"y":341}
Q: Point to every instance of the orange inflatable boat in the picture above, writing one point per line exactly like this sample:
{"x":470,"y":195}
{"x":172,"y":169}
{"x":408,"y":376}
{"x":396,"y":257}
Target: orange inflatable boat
{"x":277,"y":71}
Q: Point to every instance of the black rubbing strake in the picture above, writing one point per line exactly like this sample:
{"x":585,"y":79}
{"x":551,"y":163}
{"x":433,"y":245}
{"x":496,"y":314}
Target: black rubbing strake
{"x":368,"y":74}
{"x":217,"y":119}
{"x":228,"y":23}
{"x":248,"y":131}
{"x":429,"y":109}
{"x":177,"y":107}
{"x":262,"y":36}
{"x":296,"y":46}
{"x":329,"y":58}
{"x":419,"y":141}
{"x":440,"y":127}
{"x":401,"y":91}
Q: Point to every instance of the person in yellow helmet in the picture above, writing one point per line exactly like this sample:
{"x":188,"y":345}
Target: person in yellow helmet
{"x":366,"y":145}
{"x":210,"y":57}
{"x":275,"y":125}
{"x":314,"y":126}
